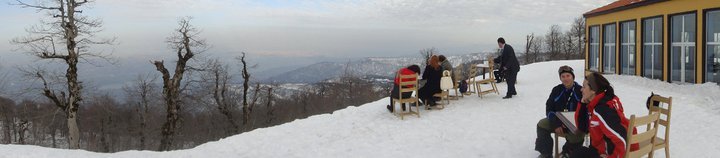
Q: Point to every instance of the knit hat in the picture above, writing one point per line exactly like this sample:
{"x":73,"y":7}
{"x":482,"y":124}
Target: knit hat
{"x":566,"y":69}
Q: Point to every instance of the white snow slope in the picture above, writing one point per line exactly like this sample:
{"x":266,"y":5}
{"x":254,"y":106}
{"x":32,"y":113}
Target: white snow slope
{"x":470,"y":127}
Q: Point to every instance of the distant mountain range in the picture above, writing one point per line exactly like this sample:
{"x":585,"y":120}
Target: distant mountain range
{"x":371,"y":67}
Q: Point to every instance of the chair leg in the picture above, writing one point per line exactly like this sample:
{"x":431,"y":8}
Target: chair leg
{"x":667,"y":149}
{"x":479,"y":90}
{"x":557,"y":153}
{"x":495,"y":88}
{"x":417,"y":108}
{"x":447,"y":98}
{"x":402,"y":116}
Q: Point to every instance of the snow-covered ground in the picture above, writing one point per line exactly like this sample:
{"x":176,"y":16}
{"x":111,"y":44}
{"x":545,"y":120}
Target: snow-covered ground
{"x":470,"y":127}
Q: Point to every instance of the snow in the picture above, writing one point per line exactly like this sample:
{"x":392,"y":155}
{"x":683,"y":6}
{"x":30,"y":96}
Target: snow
{"x":469,"y":127}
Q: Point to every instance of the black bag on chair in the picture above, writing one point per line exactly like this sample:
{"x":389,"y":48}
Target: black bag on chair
{"x":463,"y":86}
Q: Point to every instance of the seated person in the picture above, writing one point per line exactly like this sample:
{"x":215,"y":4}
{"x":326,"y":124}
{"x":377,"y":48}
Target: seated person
{"x":446,"y":66}
{"x":564,"y":97}
{"x":432,"y":76}
{"x":394,"y":93}
{"x":601,"y":115}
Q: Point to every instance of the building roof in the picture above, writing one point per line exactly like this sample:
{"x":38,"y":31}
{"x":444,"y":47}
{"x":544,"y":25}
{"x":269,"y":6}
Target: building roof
{"x":619,"y":5}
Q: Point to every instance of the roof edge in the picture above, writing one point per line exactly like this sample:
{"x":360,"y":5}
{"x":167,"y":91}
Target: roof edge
{"x":626,"y":7}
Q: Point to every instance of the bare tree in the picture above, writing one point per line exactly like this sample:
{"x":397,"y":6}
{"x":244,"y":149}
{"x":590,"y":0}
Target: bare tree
{"x":568,"y":45}
{"x":553,"y":39}
{"x":269,"y":104}
{"x":427,"y":53}
{"x":537,"y":49}
{"x":7,"y":111}
{"x":224,"y":98}
{"x":142,"y":90}
{"x":246,"y":108}
{"x":529,"y":39}
{"x":76,"y":33}
{"x":578,"y":30}
{"x":186,"y":44}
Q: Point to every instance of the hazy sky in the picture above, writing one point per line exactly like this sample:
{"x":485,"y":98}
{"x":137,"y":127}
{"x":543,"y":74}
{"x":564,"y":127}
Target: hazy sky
{"x":283,"y":31}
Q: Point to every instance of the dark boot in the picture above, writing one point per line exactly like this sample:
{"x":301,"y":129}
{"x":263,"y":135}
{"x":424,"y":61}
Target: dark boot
{"x":568,"y":148}
{"x":543,"y":142}
{"x":390,"y":108}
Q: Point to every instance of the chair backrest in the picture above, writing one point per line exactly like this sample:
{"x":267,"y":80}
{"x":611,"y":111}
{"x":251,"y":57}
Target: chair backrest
{"x":667,"y":111}
{"x":491,"y":62}
{"x":408,"y":83}
{"x":457,"y":74}
{"x":648,"y":135}
{"x":472,"y":73}
{"x":491,"y":67}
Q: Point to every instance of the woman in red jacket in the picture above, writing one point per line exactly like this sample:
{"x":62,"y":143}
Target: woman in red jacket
{"x":601,"y":115}
{"x":412,"y":69}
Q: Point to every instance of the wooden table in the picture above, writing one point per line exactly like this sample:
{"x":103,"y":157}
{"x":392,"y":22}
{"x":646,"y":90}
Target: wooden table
{"x":483,"y":67}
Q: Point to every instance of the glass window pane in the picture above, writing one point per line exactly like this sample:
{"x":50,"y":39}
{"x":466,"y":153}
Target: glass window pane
{"x":712,"y":59}
{"x":627,"y":49}
{"x":609,"y":46}
{"x":594,"y":47}
{"x":657,"y":68}
{"x":682,"y":55}
{"x":652,"y":47}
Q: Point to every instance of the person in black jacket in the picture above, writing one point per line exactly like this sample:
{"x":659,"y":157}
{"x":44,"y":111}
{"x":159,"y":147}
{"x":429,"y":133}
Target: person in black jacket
{"x":432,"y":76}
{"x":509,"y":66}
{"x":564,"y":97}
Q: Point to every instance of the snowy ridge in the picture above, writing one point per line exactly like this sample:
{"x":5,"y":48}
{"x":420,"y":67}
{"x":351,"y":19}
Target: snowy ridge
{"x":372,"y":66}
{"x":469,"y":127}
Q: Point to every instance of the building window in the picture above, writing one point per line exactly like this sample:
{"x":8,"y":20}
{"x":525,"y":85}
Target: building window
{"x":682,"y":47}
{"x":712,"y":51}
{"x":627,"y":48}
{"x":652,"y":48}
{"x":594,"y":49}
{"x":609,"y":48}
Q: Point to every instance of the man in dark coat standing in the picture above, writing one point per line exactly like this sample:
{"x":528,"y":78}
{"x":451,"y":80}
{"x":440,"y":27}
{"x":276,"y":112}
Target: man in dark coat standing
{"x":509,"y":65}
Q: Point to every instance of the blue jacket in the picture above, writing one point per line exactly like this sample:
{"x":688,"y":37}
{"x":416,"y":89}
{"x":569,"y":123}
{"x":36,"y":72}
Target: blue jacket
{"x":562,"y":99}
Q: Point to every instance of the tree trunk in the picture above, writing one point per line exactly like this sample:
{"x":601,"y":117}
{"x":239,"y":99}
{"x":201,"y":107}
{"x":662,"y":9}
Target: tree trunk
{"x":7,"y":132}
{"x":168,"y":129}
{"x":73,"y":131}
{"x":52,"y":135}
{"x":270,"y":109}
{"x":143,"y":124}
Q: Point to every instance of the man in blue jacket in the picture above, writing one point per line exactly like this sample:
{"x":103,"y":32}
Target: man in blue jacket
{"x":509,"y":66}
{"x":564,"y":97}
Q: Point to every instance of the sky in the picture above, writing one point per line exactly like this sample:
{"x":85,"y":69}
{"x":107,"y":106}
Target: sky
{"x":282,"y":35}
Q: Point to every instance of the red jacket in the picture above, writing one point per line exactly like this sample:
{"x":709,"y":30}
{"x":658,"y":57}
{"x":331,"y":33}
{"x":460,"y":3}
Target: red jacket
{"x":405,"y":71}
{"x":607,"y":125}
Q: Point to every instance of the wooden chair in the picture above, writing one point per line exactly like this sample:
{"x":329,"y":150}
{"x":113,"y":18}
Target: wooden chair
{"x":490,"y":80}
{"x":472,"y":72}
{"x":662,"y":143}
{"x":457,"y":77}
{"x":648,"y":135}
{"x":407,"y":85}
{"x":443,"y":95}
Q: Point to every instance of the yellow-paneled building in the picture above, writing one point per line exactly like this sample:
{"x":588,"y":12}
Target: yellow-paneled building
{"x":670,"y":40}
